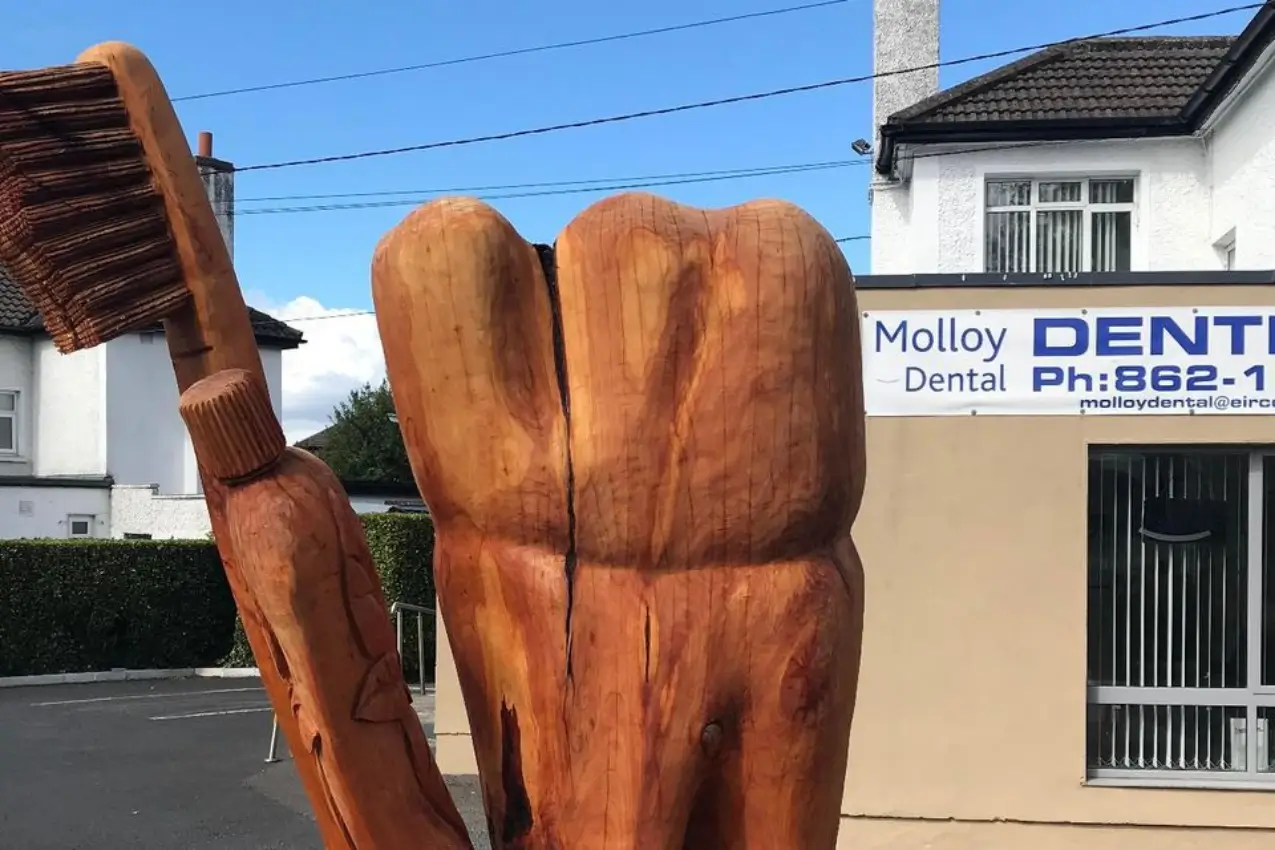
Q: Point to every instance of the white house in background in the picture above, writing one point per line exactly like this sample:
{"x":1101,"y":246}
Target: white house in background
{"x":1152,"y":154}
{"x":91,"y":443}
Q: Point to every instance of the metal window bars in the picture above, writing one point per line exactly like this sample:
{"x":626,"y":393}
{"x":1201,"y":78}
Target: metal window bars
{"x":1181,"y":662}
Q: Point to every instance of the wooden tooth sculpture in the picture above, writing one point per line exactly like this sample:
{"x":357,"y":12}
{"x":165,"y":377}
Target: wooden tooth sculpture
{"x":643,"y":450}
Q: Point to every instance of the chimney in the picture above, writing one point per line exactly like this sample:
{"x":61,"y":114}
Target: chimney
{"x":905,"y":34}
{"x":219,"y":182}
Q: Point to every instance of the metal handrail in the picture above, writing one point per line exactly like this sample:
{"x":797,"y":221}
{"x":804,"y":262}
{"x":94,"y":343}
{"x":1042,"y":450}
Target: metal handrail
{"x":407,"y":606}
{"x":396,"y":611}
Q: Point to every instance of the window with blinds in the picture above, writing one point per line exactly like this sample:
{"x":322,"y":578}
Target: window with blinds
{"x":1181,"y":617}
{"x":1058,"y":225}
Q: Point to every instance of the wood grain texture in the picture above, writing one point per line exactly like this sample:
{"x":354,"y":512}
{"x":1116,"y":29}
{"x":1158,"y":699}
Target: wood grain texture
{"x":217,"y":334}
{"x":644,"y":468}
{"x":303,"y":555}
{"x":211,"y":333}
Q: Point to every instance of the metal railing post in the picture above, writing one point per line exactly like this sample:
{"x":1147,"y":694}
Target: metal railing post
{"x":421,"y":612}
{"x":274,"y":739}
{"x":420,"y":648}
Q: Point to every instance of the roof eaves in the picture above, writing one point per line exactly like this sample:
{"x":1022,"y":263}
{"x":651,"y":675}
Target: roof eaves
{"x":906,"y":126}
{"x":1247,"y":48}
{"x":904,"y":119}
{"x":18,"y":316}
{"x":317,"y":440}
{"x":274,"y":332}
{"x":1050,"y":130}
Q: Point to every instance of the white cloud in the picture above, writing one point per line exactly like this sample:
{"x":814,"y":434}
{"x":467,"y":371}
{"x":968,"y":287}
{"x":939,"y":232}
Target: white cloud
{"x":341,"y":353}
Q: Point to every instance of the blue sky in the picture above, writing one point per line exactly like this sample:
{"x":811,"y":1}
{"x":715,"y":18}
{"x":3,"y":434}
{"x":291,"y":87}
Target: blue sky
{"x":318,"y":261}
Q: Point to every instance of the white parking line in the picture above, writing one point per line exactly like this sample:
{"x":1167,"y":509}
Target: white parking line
{"x":211,"y":713}
{"x":143,"y":696}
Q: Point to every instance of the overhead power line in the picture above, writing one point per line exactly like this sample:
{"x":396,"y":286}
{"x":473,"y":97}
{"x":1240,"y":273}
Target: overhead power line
{"x":705,"y":104}
{"x":522,"y":51}
{"x":721,"y":173}
{"x":596,"y":184}
{"x":633,"y":183}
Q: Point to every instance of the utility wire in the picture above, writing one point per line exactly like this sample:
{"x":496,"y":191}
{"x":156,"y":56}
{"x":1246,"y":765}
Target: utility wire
{"x":596,"y":184}
{"x":522,"y":51}
{"x":687,"y":107}
{"x":543,"y":193}
{"x":843,"y":240}
{"x":722,"y":173}
{"x":349,"y":314}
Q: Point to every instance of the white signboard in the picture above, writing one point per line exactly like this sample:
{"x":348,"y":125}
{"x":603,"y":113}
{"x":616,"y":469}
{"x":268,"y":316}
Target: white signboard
{"x":1063,"y":362}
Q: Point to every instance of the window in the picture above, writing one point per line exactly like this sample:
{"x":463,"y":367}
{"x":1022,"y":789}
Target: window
{"x":8,"y":422}
{"x":1058,"y":225}
{"x":1181,"y":653}
{"x":1229,"y":258}
{"x":79,"y":525}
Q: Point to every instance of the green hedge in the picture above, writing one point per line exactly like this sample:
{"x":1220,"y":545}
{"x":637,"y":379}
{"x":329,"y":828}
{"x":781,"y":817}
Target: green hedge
{"x":402,"y":546}
{"x":71,"y":606}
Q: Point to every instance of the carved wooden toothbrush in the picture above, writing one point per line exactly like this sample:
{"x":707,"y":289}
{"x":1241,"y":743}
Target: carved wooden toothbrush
{"x":303,"y":555}
{"x":106,"y":226}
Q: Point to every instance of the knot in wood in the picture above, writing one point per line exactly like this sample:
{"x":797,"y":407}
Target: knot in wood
{"x":232,"y":425}
{"x":711,"y":738}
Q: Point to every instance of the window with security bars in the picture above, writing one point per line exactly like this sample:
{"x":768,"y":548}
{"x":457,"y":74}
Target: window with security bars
{"x":1181,"y":653}
{"x":1058,"y":226}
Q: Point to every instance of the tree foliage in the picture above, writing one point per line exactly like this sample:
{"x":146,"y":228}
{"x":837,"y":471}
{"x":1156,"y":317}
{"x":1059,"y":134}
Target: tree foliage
{"x":363,"y":443}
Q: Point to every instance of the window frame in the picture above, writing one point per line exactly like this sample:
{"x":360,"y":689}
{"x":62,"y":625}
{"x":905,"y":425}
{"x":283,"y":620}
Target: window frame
{"x":1252,"y":698}
{"x":15,"y":417}
{"x":1033,"y":206}
{"x":71,"y":519}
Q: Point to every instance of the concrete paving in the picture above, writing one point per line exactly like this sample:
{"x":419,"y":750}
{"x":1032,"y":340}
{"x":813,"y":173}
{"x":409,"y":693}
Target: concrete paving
{"x":158,"y":766}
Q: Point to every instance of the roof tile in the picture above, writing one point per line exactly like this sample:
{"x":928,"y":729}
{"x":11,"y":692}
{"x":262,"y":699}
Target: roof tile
{"x":1109,"y":78}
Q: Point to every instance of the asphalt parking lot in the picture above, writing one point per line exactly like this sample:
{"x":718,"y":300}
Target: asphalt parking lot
{"x":158,"y":765}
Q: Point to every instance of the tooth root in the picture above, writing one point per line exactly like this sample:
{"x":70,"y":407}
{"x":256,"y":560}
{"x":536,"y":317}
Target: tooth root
{"x":677,"y":322}
{"x":464,"y":317}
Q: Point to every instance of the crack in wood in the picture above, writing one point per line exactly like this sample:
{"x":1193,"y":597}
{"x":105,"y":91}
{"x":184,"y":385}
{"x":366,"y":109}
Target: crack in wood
{"x":548,"y":263}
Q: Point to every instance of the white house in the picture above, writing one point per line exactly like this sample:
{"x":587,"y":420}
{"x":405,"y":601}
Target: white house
{"x":91,"y":443}
{"x":1150,"y":154}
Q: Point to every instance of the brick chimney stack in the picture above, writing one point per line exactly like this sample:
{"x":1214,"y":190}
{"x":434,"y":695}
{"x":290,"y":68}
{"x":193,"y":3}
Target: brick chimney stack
{"x":219,"y":181}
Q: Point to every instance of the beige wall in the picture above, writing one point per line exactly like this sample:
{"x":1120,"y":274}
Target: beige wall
{"x":972,"y":696}
{"x":897,"y":834}
{"x":452,"y":748}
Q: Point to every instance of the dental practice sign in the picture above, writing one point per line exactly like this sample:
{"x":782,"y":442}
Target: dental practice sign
{"x":1060,"y":362}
